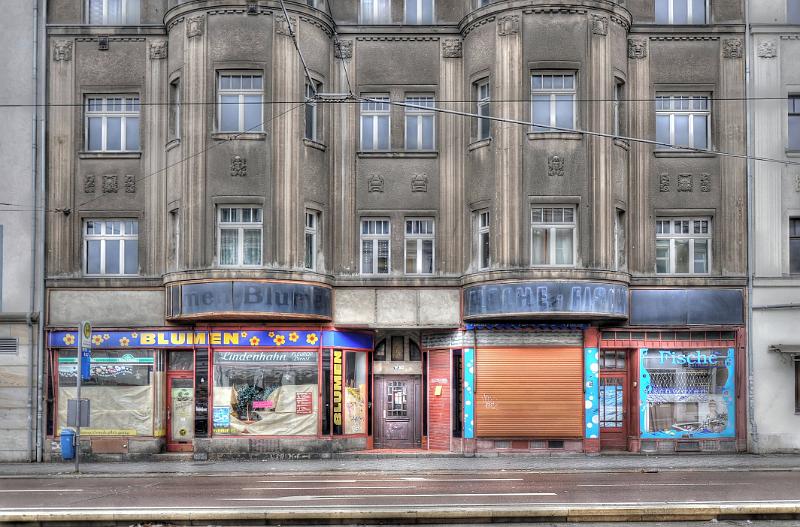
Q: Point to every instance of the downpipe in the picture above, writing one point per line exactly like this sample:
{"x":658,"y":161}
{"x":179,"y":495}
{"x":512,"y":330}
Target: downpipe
{"x":41,"y":112}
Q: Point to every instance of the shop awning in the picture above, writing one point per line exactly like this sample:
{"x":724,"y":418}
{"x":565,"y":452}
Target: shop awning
{"x":792,"y":349}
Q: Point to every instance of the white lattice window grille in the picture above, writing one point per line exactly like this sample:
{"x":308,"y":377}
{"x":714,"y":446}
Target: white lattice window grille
{"x":375,"y":123}
{"x":420,"y":123}
{"x":683,"y":245}
{"x":681,"y":11}
{"x":420,"y":238}
{"x":376,"y":11}
{"x":552,"y":101}
{"x":311,"y":230}
{"x":375,"y":246}
{"x":419,"y":12}
{"x":553,"y":236}
{"x":240,"y":101}
{"x":683,"y":120}
{"x":111,"y":247}
{"x":113,"y":12}
{"x":112,"y":123}
{"x":239,"y":236}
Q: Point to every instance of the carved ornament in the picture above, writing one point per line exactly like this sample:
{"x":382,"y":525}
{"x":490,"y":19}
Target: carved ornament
{"x":158,"y":50}
{"x":705,"y":182}
{"x":599,"y":25}
{"x":194,"y":26}
{"x":282,"y":28}
{"x":767,"y":50}
{"x":62,"y":50}
{"x":508,"y":25}
{"x":89,"y":184}
{"x":637,"y":49}
{"x":685,"y":183}
{"x":555,"y":166}
{"x":419,"y":183}
{"x":375,"y":183}
{"x":732,"y":48}
{"x":238,"y":166}
{"x":663,"y":183}
{"x":110,"y":185}
{"x":129,"y":182}
{"x":343,"y":49}
{"x":451,"y":48}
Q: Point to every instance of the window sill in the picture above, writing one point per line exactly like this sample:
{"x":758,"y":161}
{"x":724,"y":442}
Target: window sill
{"x":622,"y":143}
{"x":678,"y":153}
{"x":413,"y":155}
{"x":173,"y":143}
{"x":792,"y":153}
{"x":480,"y":143}
{"x":243,"y":136}
{"x":109,"y":155}
{"x":314,"y":144}
{"x":564,"y":136}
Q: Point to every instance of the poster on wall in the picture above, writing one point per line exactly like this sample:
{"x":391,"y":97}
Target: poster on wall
{"x":687,"y":393}
{"x":222,"y":420}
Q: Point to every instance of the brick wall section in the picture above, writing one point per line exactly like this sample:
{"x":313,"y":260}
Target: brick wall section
{"x":439,"y":405}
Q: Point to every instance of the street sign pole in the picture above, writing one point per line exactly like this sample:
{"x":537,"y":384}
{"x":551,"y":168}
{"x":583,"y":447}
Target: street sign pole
{"x":84,"y":368}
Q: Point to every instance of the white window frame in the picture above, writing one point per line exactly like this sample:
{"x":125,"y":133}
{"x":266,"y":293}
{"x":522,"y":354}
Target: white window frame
{"x":374,"y":237}
{"x":483,"y":225}
{"x":416,"y":224}
{"x":375,"y":12}
{"x":691,"y":236}
{"x":175,"y":108}
{"x":374,"y":110}
{"x":106,"y":22}
{"x":618,"y":99}
{"x":793,"y":112}
{"x":416,"y":115}
{"x":552,"y":226}
{"x":689,"y":12}
{"x":419,"y":21}
{"x":241,"y":93}
{"x":240,"y":226}
{"x":620,"y":241}
{"x":675,"y":106}
{"x":124,"y":237}
{"x":483,"y":97}
{"x":312,"y":107}
{"x":126,"y":101}
{"x":311,"y":230}
{"x":553,"y":94}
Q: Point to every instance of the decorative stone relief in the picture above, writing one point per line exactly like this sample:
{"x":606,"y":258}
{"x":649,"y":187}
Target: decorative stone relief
{"x":637,"y":49}
{"x":685,"y":183}
{"x":508,"y":25}
{"x":767,"y":50}
{"x":663,"y":183}
{"x":158,"y":50}
{"x":705,"y":182}
{"x":62,"y":50}
{"x":102,"y":43}
{"x":555,"y":166}
{"x":129,"y":182}
{"x":375,"y":183}
{"x":599,"y":25}
{"x":238,"y":166}
{"x":194,"y":26}
{"x":451,"y":48}
{"x":732,"y":48}
{"x":282,"y":28}
{"x":343,"y":49}
{"x":419,"y":183}
{"x":88,"y":184}
{"x":252,"y":7}
{"x":110,"y":185}
{"x":797,"y":182}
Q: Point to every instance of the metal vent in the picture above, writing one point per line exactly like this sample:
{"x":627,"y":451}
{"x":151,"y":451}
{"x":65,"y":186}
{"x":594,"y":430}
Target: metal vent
{"x":9,"y":345}
{"x":537,"y":443}
{"x":710,"y":445}
{"x":727,"y":446}
{"x":502,"y":444}
{"x":687,"y":446}
{"x":649,"y":446}
{"x":555,"y":443}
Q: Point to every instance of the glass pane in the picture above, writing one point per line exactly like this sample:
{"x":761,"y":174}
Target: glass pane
{"x":355,"y":393}
{"x":564,"y":111}
{"x":662,"y":256}
{"x":541,"y":111}
{"x":700,"y":131}
{"x":794,"y":255}
{"x":383,"y":256}
{"x":310,"y":109}
{"x":483,"y":126}
{"x":681,"y":130}
{"x":484,"y":248}
{"x":132,"y":133}
{"x":427,"y":11}
{"x":112,"y":257}
{"x":411,"y":132}
{"x":366,"y":133}
{"x":794,"y":129}
{"x":383,"y":132}
{"x":131,"y":257}
{"x":229,"y":240}
{"x":662,"y":129}
{"x":95,"y":11}
{"x":309,"y":260}
{"x":252,"y":246}
{"x":411,"y":256}
{"x":701,"y":256}
{"x":411,"y":11}
{"x":536,"y":82}
{"x":793,"y":13}
{"x":427,"y":256}
{"x":681,"y":256}
{"x":93,"y":257}
{"x":252,"y":113}
{"x":229,"y":113}
{"x":113,"y":133}
{"x":540,"y":246}
{"x":427,"y":132}
{"x":366,"y":256}
{"x":698,"y":11}
{"x":564,"y":246}
{"x":680,"y":11}
{"x":96,"y":133}
{"x":132,"y":15}
{"x":114,"y":11}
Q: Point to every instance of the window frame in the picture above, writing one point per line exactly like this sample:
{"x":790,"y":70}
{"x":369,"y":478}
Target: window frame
{"x":793,"y":12}
{"x":123,"y":237}
{"x":375,"y":15}
{"x":420,"y":239}
{"x":374,"y":238}
{"x":418,"y":115}
{"x":620,"y":240}
{"x":483,"y":108}
{"x":240,"y":227}
{"x":793,"y":114}
{"x":552,"y":227}
{"x":311,"y":229}
{"x":553,"y":94}
{"x":691,"y":236}
{"x":123,"y":14}
{"x":104,"y":114}
{"x":797,"y":384}
{"x":483,"y":228}
{"x":689,"y":13}
{"x":374,"y":115}
{"x":419,"y":21}
{"x":241,"y":93}
{"x":796,"y":237}
{"x":619,"y":111}
{"x":672,"y":112}
{"x":174,"y":118}
{"x":312,"y":106}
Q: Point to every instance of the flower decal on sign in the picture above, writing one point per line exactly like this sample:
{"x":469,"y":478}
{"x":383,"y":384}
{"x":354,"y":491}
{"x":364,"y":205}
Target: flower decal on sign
{"x":106,"y":336}
{"x":293,"y":336}
{"x":254,"y":341}
{"x":279,"y":340}
{"x":312,"y":338}
{"x":124,"y":341}
{"x":134,"y":335}
{"x":244,"y":333}
{"x":271,"y":334}
{"x":69,"y":340}
{"x":97,"y":340}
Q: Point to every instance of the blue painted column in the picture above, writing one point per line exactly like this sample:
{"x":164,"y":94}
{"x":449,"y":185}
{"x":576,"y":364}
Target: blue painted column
{"x":591,"y":393}
{"x":469,"y":393}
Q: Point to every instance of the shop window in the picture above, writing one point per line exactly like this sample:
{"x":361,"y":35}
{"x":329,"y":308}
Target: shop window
{"x":355,"y":395}
{"x":612,"y":360}
{"x":265,"y":394}
{"x":687,"y":393}
{"x":553,"y":236}
{"x":121,"y":390}
{"x":201,"y":392}
{"x":683,"y":120}
{"x":683,"y":245}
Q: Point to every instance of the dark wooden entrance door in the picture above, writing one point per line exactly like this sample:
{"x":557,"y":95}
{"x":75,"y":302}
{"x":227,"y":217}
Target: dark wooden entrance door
{"x":613,"y":418}
{"x":180,"y":412}
{"x":397,"y":412}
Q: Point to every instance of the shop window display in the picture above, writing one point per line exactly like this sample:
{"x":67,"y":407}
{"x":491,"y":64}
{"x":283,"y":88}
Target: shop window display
{"x":355,"y":395}
{"x":687,"y":393}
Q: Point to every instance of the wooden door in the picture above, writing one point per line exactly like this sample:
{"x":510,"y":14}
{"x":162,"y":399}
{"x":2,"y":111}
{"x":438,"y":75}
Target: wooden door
{"x":397,"y":412}
{"x":613,"y":414}
{"x":180,"y":413}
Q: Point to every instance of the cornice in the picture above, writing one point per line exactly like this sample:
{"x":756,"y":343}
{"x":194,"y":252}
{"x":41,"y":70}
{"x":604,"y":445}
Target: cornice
{"x":76,"y":30}
{"x":659,"y":29}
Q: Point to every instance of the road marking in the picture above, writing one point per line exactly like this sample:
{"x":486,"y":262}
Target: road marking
{"x":367,"y":496}
{"x":662,"y":484}
{"x":386,"y":480}
{"x":329,"y":488}
{"x":42,"y":490}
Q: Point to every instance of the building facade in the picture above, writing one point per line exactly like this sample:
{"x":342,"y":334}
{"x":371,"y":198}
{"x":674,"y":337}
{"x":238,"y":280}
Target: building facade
{"x":442,"y":224}
{"x":775,"y":133}
{"x":21,"y":232}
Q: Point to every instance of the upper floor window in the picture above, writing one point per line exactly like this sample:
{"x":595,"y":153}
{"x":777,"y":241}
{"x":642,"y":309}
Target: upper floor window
{"x":311,"y":230}
{"x":793,"y":12}
{"x":175,"y":109}
{"x":419,"y":246}
{"x":552,"y":100}
{"x":111,"y":247}
{"x":375,"y":124}
{"x":112,"y":123}
{"x":312,"y":111}
{"x":113,"y":12}
{"x":794,"y":245}
{"x":680,"y":11}
{"x":794,"y":123}
{"x":420,"y":119}
{"x":553,"y":235}
{"x":619,"y":88}
{"x":240,"y":102}
{"x":419,"y":11}
{"x":483,"y":98}
{"x":683,"y":245}
{"x":483,"y":240}
{"x":683,"y":120}
{"x":376,"y":11}
{"x":239,"y":234}
{"x":375,"y":246}
{"x":481,"y":3}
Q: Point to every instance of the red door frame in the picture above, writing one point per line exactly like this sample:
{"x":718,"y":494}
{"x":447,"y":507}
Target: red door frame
{"x":175,"y":446}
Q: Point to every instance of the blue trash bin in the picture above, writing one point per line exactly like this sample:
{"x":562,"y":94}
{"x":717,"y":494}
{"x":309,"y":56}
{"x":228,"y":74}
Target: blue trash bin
{"x":67,"y":443}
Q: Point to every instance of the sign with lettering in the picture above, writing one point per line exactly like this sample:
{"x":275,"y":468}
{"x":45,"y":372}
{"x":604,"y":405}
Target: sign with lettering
{"x":283,"y":357}
{"x":184,"y":338}
{"x":304,"y":404}
{"x":571,"y":297}
{"x":337,"y":391}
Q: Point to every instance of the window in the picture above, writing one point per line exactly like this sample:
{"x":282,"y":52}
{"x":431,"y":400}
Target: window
{"x":619,"y":87}
{"x":484,"y":253}
{"x":240,"y":104}
{"x":312,"y":224}
{"x":113,"y":12}
{"x":420,"y":123}
{"x":419,"y":246}
{"x":375,"y":123}
{"x":419,"y":11}
{"x":797,"y":385}
{"x":312,"y":115}
{"x":683,"y":245}
{"x":552,"y":100}
{"x":111,"y":247}
{"x":175,"y":109}
{"x":481,"y":3}
{"x":175,"y":239}
{"x":112,"y":123}
{"x":794,"y":122}
{"x":553,"y":235}
{"x":680,"y":11}
{"x":376,"y":11}
{"x":683,"y":120}
{"x":793,"y":12}
{"x":239,"y":232}
{"x":375,"y":246}
{"x":794,"y":245}
{"x":620,"y":254}
{"x":482,"y":96}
